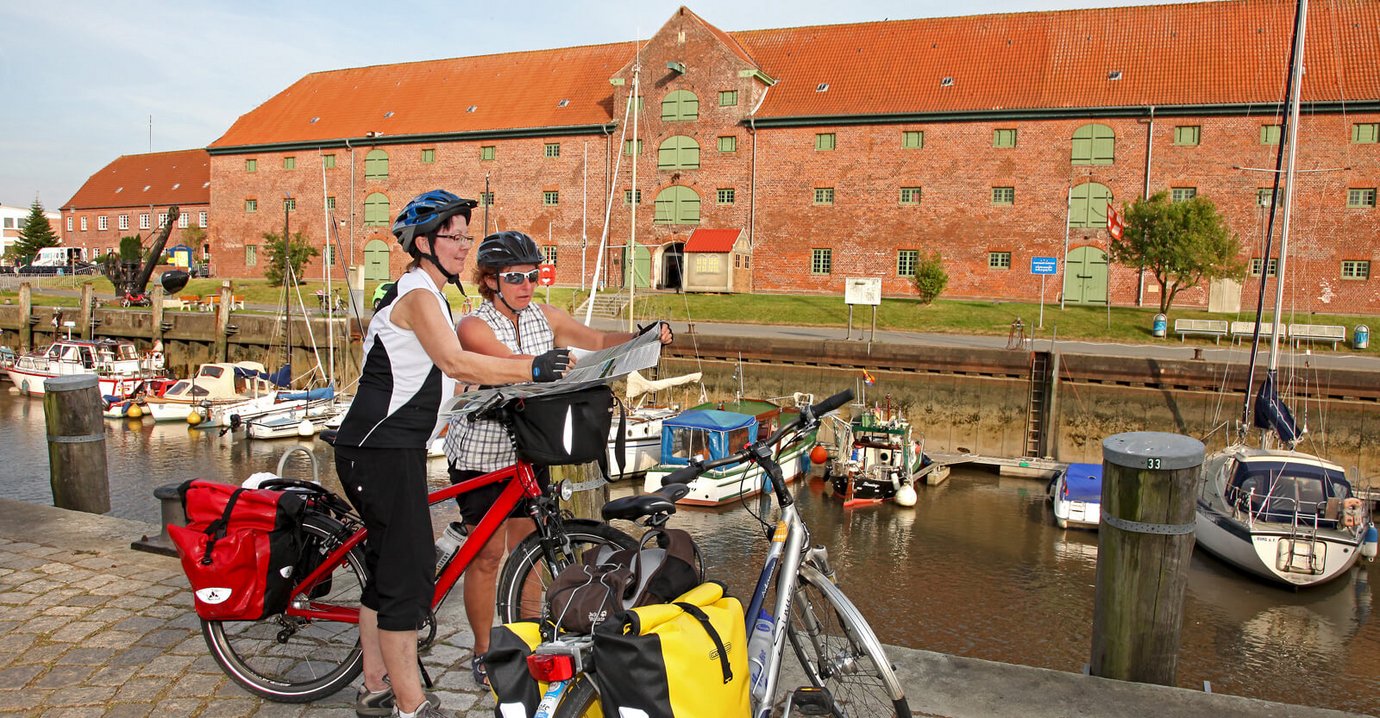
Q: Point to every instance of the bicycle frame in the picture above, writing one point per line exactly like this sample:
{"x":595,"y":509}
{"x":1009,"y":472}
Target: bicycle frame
{"x":525,"y":486}
{"x":788,"y":549}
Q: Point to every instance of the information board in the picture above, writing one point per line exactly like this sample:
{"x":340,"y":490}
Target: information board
{"x":862,"y":290}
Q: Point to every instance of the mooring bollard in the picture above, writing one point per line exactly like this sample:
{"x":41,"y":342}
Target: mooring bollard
{"x":171,"y":512}
{"x":1144,"y":545}
{"x":76,"y":443}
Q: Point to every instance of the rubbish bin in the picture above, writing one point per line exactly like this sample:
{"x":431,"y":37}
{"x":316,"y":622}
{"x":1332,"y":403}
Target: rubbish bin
{"x":1160,"y":327}
{"x":1360,"y":338}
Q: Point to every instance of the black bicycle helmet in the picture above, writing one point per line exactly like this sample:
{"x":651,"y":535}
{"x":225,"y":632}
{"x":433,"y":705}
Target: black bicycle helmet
{"x":425,"y":214}
{"x":505,"y":249}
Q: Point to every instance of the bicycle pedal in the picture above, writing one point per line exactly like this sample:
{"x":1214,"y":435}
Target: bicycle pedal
{"x":810,"y":701}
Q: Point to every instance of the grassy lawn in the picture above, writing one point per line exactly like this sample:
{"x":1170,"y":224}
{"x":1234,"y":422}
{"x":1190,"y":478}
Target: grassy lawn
{"x":957,"y":316}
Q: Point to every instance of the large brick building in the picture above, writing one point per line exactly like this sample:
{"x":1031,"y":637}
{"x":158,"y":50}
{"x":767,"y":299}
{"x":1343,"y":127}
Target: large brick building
{"x":846,"y":150}
{"x":132,"y":195}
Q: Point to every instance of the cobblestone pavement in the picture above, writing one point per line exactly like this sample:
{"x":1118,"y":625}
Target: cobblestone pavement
{"x":89,"y":627}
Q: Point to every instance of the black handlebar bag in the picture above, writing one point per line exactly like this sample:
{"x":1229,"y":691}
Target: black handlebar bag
{"x":570,"y":427}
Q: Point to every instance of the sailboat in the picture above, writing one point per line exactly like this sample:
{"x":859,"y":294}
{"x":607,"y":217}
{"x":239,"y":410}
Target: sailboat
{"x":1282,"y":514}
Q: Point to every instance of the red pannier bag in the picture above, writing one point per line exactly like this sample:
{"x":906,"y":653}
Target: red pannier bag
{"x":239,"y":548}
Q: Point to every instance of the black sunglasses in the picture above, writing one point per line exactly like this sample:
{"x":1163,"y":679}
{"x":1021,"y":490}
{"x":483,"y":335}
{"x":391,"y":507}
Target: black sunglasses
{"x":518,"y":277}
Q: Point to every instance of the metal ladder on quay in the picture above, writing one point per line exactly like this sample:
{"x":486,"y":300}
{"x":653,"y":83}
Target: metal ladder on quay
{"x":1037,"y":404}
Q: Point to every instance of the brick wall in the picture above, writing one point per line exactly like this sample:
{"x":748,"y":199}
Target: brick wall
{"x":774,"y":172}
{"x":96,"y":241}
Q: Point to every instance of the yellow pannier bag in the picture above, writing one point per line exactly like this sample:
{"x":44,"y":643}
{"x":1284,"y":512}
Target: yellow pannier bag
{"x":684,"y":659}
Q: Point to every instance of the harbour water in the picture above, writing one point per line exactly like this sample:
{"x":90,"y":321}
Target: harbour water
{"x":977,"y":568}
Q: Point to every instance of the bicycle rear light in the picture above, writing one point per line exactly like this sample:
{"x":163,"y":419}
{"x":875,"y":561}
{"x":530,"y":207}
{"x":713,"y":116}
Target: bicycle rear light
{"x":550,"y":667}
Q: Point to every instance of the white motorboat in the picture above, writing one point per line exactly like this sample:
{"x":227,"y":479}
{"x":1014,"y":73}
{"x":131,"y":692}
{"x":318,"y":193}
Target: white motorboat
{"x":214,"y":385}
{"x":1076,"y":495}
{"x":118,"y":366}
{"x":641,"y":426}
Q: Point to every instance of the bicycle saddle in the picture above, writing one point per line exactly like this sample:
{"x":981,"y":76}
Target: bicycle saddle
{"x":661,"y":501}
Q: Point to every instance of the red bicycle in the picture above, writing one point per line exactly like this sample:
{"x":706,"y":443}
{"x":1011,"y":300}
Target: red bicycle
{"x":311,"y":650}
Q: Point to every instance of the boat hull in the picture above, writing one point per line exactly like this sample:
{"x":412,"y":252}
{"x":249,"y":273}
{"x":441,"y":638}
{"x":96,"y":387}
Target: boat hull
{"x":1274,"y":554}
{"x":717,"y":488}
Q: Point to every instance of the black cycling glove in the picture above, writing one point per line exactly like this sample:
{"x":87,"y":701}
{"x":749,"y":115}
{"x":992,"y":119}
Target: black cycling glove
{"x":551,"y":365}
{"x":654,"y":327}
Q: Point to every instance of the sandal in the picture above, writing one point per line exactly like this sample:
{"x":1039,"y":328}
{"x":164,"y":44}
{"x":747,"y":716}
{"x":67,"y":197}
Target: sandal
{"x":479,"y":668}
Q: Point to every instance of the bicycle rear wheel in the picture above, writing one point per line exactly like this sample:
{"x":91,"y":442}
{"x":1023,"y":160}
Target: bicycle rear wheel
{"x":292,"y":659}
{"x":581,"y":700}
{"x":527,"y":574}
{"x":840,"y":652}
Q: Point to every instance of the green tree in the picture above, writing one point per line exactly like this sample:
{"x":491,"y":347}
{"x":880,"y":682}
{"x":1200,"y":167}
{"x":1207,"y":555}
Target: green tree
{"x":1182,"y":244}
{"x":36,"y":234}
{"x":930,"y":278}
{"x":295,"y":254}
{"x":131,"y":248}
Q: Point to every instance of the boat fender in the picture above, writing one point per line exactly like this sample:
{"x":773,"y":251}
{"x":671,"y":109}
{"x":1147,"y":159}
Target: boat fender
{"x":1368,"y":544}
{"x":305,"y":428}
{"x":905,"y":496}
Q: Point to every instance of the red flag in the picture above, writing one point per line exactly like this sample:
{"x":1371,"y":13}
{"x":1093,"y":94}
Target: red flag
{"x":1115,"y":224}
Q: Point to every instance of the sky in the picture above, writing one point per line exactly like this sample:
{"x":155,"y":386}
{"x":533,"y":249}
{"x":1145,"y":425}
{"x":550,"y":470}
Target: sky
{"x":85,"y":81}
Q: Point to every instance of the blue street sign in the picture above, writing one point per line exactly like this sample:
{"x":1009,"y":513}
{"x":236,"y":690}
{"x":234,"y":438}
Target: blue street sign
{"x":1044,"y":265}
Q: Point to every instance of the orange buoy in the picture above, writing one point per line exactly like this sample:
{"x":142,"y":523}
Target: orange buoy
{"x":819,"y":454}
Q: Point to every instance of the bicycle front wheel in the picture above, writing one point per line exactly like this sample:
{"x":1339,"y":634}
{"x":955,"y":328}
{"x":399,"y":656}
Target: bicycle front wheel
{"x":840,"y":652}
{"x":527,"y":574}
{"x":293,"y":659}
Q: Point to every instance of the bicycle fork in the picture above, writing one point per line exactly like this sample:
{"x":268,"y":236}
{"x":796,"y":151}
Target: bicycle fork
{"x":787,"y":544}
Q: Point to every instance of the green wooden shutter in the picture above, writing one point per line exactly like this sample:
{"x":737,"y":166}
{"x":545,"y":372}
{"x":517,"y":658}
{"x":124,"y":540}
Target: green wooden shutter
{"x":376,"y":166}
{"x":376,"y":209}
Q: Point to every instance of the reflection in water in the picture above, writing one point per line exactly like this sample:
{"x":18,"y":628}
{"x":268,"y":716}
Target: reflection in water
{"x":977,"y":568}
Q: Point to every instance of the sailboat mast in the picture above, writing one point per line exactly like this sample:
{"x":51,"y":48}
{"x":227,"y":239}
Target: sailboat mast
{"x":1291,"y":138}
{"x":631,"y":263}
{"x":330,"y":298}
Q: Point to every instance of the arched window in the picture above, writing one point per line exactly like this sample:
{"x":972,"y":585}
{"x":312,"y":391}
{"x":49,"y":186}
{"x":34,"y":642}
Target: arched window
{"x":1088,"y":205}
{"x":1094,"y":145}
{"x":376,"y":210}
{"x":679,"y":106}
{"x":677,"y":205}
{"x":678,"y":153}
{"x":376,"y":165}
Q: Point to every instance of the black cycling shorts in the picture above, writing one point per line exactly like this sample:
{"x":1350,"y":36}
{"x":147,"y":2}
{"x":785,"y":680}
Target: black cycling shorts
{"x":474,"y":504}
{"x":388,"y":489}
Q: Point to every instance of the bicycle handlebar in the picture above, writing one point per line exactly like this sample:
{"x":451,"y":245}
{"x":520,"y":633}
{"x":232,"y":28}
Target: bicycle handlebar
{"x":760,"y":450}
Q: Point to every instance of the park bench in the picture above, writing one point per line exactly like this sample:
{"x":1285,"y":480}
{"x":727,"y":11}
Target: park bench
{"x":1215,"y":328}
{"x":1243,"y":330}
{"x":1317,"y":333}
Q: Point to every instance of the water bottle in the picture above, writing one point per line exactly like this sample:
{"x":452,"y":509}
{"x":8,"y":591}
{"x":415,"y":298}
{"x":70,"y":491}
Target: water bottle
{"x":759,"y":650}
{"x":450,"y":540}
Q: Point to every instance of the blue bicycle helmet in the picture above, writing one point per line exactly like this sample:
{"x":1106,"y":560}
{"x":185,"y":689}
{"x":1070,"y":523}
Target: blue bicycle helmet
{"x":425,"y":214}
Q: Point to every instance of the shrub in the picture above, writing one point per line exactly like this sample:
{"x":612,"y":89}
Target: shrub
{"x":930,"y":278}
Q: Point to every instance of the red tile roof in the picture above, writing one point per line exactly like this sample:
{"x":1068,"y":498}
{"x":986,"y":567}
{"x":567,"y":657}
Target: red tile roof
{"x":1229,"y":52}
{"x":514,"y":90}
{"x":712,"y":240}
{"x":1189,"y":54}
{"x":161,"y":178}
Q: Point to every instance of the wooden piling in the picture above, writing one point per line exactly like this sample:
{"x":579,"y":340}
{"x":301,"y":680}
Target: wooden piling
{"x":222,"y":351}
{"x":158,"y":310}
{"x":85,"y":330}
{"x":76,"y":443}
{"x":591,"y":491}
{"x":26,"y":325}
{"x":1144,"y":545}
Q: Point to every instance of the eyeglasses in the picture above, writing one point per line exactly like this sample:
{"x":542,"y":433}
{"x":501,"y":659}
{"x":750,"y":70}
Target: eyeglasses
{"x":464,"y":239}
{"x":518,"y":277}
